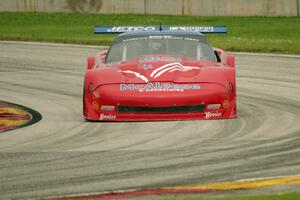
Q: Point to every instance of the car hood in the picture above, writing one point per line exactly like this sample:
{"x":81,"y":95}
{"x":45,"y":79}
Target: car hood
{"x":158,"y":69}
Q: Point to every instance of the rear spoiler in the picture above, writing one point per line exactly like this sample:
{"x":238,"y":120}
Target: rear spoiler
{"x":127,"y":29}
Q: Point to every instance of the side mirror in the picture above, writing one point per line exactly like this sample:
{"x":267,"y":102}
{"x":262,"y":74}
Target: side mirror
{"x":101,"y":56}
{"x":218,"y":55}
{"x":230,"y":60}
{"x":90,"y":62}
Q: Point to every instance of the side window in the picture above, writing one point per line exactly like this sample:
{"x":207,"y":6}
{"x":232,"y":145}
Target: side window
{"x":205,"y":52}
{"x":115,"y":53}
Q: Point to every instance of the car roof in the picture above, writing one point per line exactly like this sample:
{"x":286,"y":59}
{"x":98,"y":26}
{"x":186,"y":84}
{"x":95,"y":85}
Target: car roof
{"x":137,"y":34}
{"x":161,"y":33}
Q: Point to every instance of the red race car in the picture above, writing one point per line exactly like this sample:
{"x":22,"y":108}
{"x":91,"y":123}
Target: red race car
{"x":160,"y":73}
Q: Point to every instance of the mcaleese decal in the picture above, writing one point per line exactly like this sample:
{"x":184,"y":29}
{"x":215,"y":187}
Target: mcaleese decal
{"x":158,"y":86}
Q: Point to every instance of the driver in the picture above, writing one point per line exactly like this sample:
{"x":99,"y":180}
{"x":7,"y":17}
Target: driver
{"x":157,"y":47}
{"x":133,"y":49}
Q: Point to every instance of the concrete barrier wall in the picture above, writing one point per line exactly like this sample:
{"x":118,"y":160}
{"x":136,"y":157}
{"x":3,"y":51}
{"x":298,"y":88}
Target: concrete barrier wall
{"x":169,"y":7}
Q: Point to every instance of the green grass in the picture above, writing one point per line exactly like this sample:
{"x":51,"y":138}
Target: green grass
{"x":255,"y":34}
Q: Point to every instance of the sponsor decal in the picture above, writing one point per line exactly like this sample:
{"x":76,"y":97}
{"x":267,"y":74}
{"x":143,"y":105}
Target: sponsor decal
{"x":107,"y":117}
{"x":156,"y":37}
{"x":136,"y":74}
{"x":226,"y":104}
{"x":209,"y":115}
{"x":131,"y":28}
{"x":156,"y":28}
{"x":158,"y":86}
{"x":95,"y":105}
{"x":146,"y":67}
{"x":213,"y":106}
{"x":171,"y":67}
{"x":160,"y":37}
{"x":161,"y":58}
{"x":135,"y":39}
{"x":107,"y":108}
{"x":90,"y":88}
{"x":192,"y":28}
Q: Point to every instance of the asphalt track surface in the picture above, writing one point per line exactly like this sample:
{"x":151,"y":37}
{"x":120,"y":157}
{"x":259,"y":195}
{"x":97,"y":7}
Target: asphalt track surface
{"x":63,"y":154}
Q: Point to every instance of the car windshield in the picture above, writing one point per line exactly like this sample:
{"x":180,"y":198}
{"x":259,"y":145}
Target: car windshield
{"x":129,"y":48}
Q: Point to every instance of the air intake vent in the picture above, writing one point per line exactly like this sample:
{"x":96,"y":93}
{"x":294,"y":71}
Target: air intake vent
{"x":172,"y":109}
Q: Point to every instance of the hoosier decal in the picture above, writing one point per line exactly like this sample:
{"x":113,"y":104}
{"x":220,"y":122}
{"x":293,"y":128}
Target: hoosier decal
{"x":209,"y":115}
{"x":107,"y":117}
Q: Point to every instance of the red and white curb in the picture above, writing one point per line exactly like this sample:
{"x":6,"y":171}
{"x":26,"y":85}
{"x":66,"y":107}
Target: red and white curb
{"x":189,"y":189}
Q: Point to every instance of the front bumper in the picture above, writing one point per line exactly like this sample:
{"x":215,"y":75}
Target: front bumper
{"x":160,"y":105}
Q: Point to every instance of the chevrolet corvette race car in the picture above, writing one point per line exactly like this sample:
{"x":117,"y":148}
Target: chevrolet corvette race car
{"x":160,"y":73}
